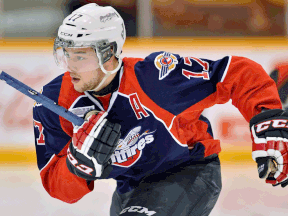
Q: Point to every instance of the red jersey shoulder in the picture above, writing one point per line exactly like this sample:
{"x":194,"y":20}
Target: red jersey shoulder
{"x":130,"y":62}
{"x":129,"y":81}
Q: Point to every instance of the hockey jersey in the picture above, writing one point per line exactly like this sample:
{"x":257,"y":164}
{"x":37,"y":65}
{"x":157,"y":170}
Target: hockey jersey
{"x":158,"y":103}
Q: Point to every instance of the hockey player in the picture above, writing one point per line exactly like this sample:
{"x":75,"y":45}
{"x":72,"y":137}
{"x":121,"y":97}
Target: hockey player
{"x":143,"y":124}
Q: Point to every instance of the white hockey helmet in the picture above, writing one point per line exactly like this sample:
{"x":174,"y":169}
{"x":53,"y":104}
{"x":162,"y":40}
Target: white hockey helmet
{"x":91,"y":26}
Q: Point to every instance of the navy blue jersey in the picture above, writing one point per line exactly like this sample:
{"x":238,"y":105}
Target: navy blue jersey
{"x":159,"y":104}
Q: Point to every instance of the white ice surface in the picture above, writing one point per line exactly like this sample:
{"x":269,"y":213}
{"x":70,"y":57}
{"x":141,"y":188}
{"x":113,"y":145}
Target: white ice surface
{"x":243,"y":194}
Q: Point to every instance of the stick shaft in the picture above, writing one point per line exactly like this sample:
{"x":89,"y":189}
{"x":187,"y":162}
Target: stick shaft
{"x":45,"y":101}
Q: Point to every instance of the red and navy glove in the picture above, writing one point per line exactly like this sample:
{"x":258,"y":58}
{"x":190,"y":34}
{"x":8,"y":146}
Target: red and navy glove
{"x":93,"y":143}
{"x":269,"y":132}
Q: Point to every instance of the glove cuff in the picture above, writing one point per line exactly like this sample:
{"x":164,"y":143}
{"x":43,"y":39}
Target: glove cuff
{"x":258,"y":154}
{"x":264,"y":115}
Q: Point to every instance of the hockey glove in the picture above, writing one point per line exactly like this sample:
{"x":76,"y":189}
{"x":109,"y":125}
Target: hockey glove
{"x":93,"y":143}
{"x":269,"y":132}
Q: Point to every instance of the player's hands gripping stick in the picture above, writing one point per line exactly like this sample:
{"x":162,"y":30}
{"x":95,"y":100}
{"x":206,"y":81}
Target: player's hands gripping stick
{"x":92,"y":145}
{"x":269,"y":131}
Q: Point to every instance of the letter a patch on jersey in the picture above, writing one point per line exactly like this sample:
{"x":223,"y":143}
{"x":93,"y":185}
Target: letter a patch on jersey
{"x":137,"y":107}
{"x":165,"y":63}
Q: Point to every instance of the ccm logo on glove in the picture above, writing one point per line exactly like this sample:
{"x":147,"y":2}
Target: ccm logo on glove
{"x":93,"y":143}
{"x":81,"y":167}
{"x":276,"y":123}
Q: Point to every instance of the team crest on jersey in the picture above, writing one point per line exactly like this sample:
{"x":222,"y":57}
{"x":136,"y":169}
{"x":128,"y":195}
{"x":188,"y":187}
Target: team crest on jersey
{"x":129,"y":149}
{"x":165,"y":63}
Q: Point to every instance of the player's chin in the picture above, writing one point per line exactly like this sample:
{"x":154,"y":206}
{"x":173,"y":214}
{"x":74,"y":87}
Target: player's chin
{"x":78,"y":87}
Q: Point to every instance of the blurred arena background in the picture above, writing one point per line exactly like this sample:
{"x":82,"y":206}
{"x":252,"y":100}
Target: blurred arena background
{"x":256,"y":29}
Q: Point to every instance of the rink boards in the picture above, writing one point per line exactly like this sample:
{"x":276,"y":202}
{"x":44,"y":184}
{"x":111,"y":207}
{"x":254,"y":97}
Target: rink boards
{"x":31,"y":61}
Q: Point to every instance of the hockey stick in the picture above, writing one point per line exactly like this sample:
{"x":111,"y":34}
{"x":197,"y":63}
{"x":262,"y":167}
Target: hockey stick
{"x":45,"y":101}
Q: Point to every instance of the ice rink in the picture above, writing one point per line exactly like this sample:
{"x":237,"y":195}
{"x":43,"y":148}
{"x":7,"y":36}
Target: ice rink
{"x":243,"y":194}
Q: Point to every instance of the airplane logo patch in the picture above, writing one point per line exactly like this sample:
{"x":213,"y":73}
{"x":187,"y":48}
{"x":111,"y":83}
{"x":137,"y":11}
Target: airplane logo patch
{"x":165,"y":63}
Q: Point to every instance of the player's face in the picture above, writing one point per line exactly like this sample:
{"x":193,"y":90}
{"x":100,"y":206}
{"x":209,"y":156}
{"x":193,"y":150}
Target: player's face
{"x":80,"y":63}
{"x":85,"y":81}
{"x":89,"y":79}
{"x":78,"y":59}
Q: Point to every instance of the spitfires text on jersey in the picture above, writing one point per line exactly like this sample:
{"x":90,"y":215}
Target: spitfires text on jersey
{"x":129,"y":149}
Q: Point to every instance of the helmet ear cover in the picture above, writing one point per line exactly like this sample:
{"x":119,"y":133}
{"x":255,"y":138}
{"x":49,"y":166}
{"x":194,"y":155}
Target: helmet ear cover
{"x":104,"y":50}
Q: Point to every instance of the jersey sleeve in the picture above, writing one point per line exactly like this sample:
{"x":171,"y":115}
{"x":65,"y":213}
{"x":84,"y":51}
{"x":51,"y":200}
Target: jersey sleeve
{"x":51,"y":144}
{"x":249,"y":86}
{"x":178,"y":84}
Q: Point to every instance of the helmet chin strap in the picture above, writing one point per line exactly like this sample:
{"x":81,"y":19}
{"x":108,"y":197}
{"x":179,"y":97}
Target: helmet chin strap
{"x":107,"y":74}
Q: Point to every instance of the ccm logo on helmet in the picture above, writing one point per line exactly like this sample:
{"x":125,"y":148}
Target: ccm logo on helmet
{"x":66,"y":34}
{"x":276,"y":123}
{"x":138,"y":209}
